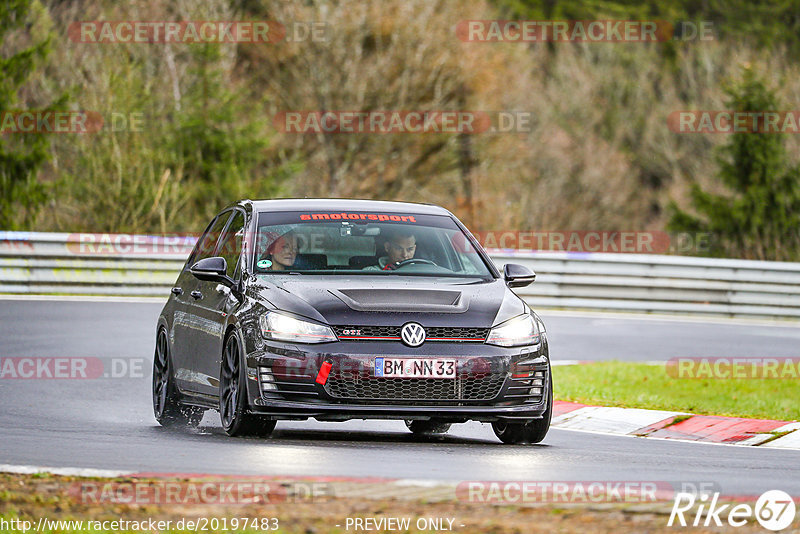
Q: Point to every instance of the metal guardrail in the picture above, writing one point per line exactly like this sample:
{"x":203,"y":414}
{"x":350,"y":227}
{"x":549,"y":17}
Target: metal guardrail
{"x":661,"y":284}
{"x":47,"y":263}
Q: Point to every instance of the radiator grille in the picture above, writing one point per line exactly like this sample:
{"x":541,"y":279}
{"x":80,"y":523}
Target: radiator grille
{"x":435,"y":333}
{"x":415,"y":389}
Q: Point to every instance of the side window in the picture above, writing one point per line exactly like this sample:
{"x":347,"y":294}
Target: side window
{"x":206,"y":244}
{"x":230,"y":246}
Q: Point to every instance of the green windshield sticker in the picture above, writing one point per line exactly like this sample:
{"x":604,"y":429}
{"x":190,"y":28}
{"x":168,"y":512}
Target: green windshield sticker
{"x":264,"y":264}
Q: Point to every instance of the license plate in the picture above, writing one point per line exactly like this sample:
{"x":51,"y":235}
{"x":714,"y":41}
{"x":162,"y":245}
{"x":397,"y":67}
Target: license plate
{"x":415,"y":368}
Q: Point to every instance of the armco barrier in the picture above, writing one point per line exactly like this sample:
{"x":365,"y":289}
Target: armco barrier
{"x":42,"y":263}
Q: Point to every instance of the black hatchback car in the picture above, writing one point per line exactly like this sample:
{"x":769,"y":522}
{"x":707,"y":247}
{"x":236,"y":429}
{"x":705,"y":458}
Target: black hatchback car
{"x":349,"y":309}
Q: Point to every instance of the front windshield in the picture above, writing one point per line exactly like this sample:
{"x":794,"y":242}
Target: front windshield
{"x":364,"y":243}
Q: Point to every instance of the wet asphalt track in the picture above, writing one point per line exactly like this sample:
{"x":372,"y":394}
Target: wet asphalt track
{"x":108,"y":423}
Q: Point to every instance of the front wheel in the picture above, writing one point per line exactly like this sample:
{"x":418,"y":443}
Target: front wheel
{"x":532,"y":431}
{"x":166,"y":399}
{"x":233,"y":409}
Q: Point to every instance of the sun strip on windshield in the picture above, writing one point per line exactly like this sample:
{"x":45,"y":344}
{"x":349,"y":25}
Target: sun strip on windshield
{"x":344,"y":216}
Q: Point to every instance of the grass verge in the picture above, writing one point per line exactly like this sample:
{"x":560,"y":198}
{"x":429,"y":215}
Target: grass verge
{"x":33,"y":499}
{"x":641,"y":385}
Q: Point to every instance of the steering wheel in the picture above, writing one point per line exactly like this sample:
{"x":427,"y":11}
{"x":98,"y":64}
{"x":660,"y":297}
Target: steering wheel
{"x":414,"y":261}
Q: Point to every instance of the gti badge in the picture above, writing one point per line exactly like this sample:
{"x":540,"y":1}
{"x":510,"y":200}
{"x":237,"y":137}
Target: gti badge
{"x":351,"y":332}
{"x":412,"y":334}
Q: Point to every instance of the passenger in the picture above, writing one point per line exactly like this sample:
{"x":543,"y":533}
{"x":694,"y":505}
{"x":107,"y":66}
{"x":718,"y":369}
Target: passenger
{"x":401,"y":246}
{"x":281,"y":254}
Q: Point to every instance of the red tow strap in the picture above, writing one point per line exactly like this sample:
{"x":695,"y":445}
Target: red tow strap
{"x":324,"y":371}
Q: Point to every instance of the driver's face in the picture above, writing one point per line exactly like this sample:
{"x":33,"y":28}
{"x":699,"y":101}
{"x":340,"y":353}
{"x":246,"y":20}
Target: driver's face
{"x":401,"y":248}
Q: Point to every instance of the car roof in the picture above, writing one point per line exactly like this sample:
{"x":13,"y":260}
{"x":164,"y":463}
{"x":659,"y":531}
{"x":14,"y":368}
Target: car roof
{"x":316,"y":204}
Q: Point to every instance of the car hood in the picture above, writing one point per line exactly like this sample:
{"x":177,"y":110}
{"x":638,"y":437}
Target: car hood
{"x":374,"y":300}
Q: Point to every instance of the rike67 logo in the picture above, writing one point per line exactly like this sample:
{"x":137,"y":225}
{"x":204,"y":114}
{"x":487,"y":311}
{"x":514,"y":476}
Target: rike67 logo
{"x":774,"y":510}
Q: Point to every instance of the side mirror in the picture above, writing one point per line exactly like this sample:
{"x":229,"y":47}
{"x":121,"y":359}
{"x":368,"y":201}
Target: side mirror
{"x":212,"y":270}
{"x":518,"y":275}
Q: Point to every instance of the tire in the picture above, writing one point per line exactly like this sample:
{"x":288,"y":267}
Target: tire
{"x":167,"y":408}
{"x":233,"y":409}
{"x":532,"y":431}
{"x":428,"y":427}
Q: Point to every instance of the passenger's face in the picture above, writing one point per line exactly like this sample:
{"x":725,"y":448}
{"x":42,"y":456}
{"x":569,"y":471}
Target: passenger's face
{"x":401,"y":248}
{"x":284,"y":252}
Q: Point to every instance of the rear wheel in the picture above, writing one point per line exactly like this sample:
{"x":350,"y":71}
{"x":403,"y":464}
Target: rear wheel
{"x":532,"y":431}
{"x":166,"y":399}
{"x":233,"y":409}
{"x":428,"y":427}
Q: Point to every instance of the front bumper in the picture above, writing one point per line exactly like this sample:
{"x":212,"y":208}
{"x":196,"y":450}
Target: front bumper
{"x":493,"y":383}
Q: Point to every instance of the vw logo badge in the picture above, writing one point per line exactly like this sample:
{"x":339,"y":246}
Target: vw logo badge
{"x":412,"y":334}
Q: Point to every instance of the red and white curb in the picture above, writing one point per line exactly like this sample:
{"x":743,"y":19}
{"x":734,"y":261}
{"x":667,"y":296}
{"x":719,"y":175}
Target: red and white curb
{"x":676,"y":425}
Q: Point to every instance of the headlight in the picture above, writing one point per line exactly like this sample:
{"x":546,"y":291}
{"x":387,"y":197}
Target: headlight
{"x":284,"y":328}
{"x":520,"y":330}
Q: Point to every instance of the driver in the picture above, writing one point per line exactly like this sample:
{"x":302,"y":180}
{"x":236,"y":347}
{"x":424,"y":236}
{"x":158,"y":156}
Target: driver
{"x":401,"y":246}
